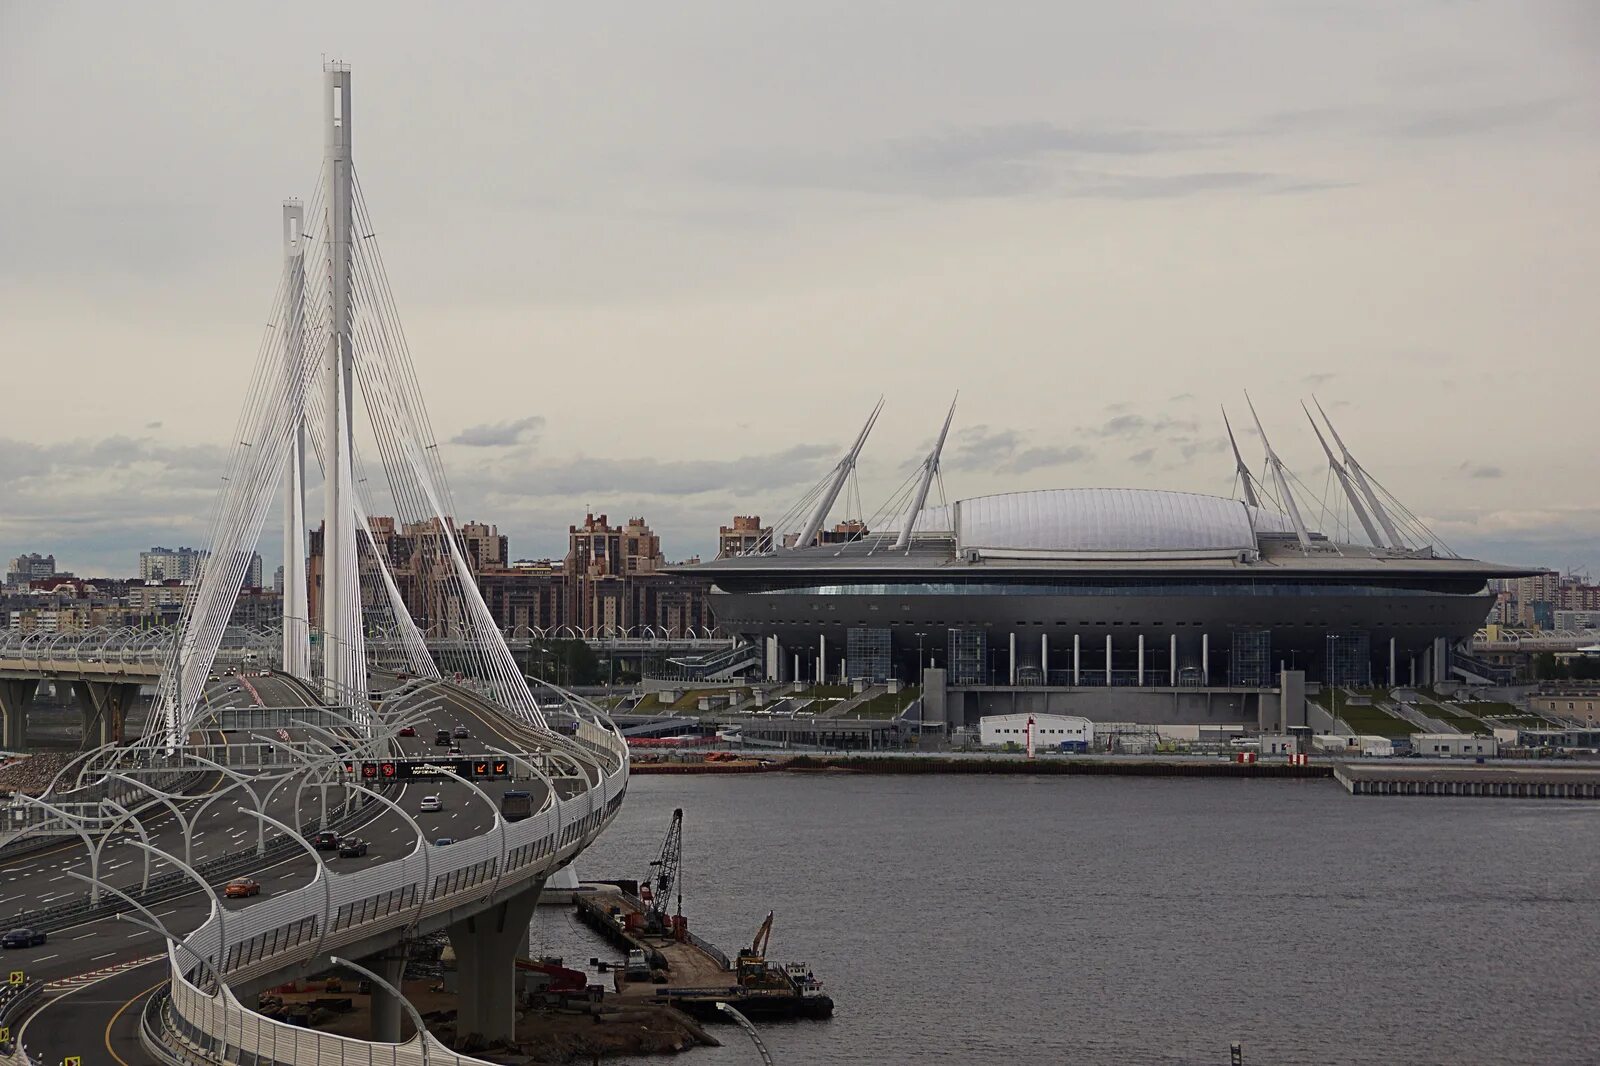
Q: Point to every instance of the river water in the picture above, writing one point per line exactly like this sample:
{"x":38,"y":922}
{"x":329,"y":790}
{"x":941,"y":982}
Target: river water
{"x":968,"y":919}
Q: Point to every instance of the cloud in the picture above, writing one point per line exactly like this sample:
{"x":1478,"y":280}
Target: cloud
{"x":1181,"y":397}
{"x":152,"y":425}
{"x":581,"y":475}
{"x":1138,"y":425}
{"x":1484,"y":118}
{"x":1010,"y":159}
{"x":1003,"y":451}
{"x":500,"y":434}
{"x":1487,"y":472}
{"x":96,"y":503}
{"x":1318,"y":380}
{"x":1142,"y":457}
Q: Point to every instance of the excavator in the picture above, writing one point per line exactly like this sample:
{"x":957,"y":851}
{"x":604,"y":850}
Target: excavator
{"x":751,"y":969}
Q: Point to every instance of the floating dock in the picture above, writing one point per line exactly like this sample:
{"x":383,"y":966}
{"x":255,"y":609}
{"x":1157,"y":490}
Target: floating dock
{"x":1469,"y":779}
{"x":693,"y":975}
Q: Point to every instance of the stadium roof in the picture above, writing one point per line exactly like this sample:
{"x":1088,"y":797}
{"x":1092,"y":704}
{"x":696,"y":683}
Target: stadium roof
{"x":1097,"y":522}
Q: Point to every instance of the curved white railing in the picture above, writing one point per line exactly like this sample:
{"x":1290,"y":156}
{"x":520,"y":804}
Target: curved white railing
{"x":335,"y":910}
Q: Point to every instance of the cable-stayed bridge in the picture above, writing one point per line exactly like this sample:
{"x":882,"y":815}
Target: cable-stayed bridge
{"x":117,"y":862}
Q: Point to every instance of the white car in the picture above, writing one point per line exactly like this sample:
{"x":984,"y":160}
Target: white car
{"x":431,"y":804}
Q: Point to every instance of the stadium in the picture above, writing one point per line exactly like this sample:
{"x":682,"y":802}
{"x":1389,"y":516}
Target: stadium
{"x":1191,"y":606}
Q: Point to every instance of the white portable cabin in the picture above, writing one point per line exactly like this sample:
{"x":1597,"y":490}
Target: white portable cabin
{"x":1049,"y":731}
{"x":1454,"y":745}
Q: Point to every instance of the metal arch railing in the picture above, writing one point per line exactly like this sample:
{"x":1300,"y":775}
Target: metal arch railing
{"x":426,"y":883}
{"x":457,"y":875}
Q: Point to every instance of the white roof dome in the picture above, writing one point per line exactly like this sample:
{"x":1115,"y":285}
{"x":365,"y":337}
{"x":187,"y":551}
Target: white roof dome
{"x":1097,"y":522}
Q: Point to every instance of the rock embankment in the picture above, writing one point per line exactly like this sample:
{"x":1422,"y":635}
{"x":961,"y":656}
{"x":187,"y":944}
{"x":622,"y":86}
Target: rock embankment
{"x":32,"y":774}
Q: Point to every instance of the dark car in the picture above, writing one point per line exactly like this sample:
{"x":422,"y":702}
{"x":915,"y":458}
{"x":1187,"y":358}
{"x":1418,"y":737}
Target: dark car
{"x":462,"y":732}
{"x":22,"y":938}
{"x":326,"y":840}
{"x":441,"y":738}
{"x":442,"y":841}
{"x":351,"y":848}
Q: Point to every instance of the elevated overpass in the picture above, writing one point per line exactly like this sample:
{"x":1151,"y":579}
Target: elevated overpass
{"x":480,"y":889}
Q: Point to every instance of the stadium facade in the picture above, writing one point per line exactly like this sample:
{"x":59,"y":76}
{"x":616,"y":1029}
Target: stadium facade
{"x":1087,"y":588}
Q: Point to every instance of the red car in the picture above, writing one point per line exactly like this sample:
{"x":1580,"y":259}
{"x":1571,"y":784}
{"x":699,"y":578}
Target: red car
{"x":408,"y":730}
{"x":242,"y":886}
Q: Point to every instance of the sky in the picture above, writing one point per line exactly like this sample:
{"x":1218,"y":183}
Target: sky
{"x":662,"y":260}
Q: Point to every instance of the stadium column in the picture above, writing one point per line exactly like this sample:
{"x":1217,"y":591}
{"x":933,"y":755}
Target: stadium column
{"x":487,"y":945}
{"x":1394,"y":677}
{"x":1172,"y":661}
{"x":1013,"y":642}
{"x":1205,"y":658}
{"x":1044,"y":657}
{"x":1108,"y":660}
{"x":822,"y":658}
{"x":1413,"y":671}
{"x":1077,"y":658}
{"x":772,"y":657}
{"x":1141,"y":660}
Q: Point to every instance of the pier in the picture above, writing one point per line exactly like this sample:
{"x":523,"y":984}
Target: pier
{"x":1469,"y":779}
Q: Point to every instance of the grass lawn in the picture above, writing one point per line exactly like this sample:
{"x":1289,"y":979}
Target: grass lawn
{"x":887,"y":704}
{"x":824,"y":692}
{"x":1374,"y":721}
{"x":1449,"y":713}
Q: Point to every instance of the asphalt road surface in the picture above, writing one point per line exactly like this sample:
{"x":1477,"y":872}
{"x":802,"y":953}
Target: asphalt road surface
{"x":93,"y":995}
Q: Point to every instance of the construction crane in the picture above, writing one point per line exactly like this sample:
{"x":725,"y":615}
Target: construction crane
{"x":663,"y":877}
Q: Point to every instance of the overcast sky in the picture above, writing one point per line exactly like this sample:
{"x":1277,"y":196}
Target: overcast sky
{"x":661,"y":259}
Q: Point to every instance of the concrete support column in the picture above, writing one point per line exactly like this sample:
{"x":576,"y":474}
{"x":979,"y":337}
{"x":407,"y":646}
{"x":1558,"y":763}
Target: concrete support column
{"x":104,"y":705}
{"x":796,"y":675}
{"x":1394,"y":676}
{"x":1044,"y":657}
{"x":1013,"y":643}
{"x":1172,"y":661}
{"x":16,"y":697}
{"x":1413,"y":671}
{"x":386,"y":1009}
{"x":1077,"y":658}
{"x":487,"y":945}
{"x":1108,"y":660}
{"x":1141,"y":660}
{"x":773,"y":660}
{"x":822,"y":659}
{"x":1205,"y":658}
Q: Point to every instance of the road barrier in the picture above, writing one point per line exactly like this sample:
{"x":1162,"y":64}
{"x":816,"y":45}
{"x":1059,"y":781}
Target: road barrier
{"x":335,"y":910}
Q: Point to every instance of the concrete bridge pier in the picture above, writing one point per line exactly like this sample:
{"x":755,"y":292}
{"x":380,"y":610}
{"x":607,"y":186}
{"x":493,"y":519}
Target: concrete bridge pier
{"x":487,"y":945}
{"x":105,"y":707}
{"x":386,"y":1009}
{"x":16,"y":696}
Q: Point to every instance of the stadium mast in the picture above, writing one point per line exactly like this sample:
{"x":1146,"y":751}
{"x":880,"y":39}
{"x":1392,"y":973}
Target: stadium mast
{"x":1359,"y":476}
{"x":1245,"y":477}
{"x":930,"y":467}
{"x":1344,"y":482}
{"x":1282,"y":481}
{"x":836,"y":480}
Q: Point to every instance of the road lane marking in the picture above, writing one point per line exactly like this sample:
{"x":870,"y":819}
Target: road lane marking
{"x":107,"y":955}
{"x":111,"y":1050}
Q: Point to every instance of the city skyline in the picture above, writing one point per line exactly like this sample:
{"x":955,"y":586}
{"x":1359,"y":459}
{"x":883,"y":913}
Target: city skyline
{"x":1270,"y":216}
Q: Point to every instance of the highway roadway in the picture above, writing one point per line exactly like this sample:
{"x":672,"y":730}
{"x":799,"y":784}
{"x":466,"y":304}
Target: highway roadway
{"x":95,"y":978}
